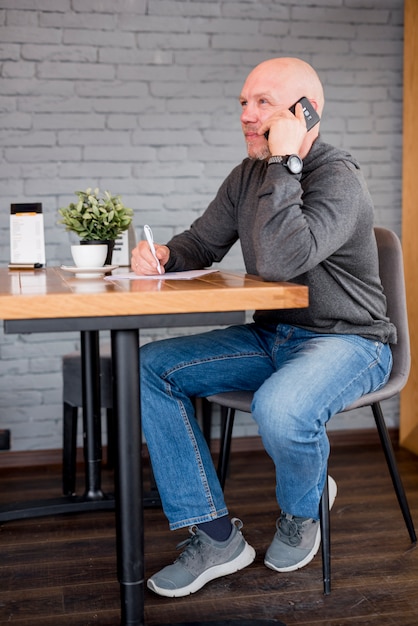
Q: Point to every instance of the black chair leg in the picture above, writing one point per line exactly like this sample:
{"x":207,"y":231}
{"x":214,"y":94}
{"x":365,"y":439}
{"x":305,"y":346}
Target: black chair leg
{"x":393,"y":469}
{"x":227,"y":423}
{"x":325,"y":539}
{"x":69,"y":451}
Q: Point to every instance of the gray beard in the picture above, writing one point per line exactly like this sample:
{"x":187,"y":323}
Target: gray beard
{"x":262,"y":155}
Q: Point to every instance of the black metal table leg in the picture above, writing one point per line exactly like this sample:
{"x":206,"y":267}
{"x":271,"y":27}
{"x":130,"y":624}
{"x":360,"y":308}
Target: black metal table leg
{"x":128,"y":476}
{"x":92,"y":438}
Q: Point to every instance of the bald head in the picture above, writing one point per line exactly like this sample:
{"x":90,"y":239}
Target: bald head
{"x":291,"y":78}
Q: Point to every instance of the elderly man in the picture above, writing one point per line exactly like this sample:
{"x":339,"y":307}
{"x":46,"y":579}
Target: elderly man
{"x":302,"y":212}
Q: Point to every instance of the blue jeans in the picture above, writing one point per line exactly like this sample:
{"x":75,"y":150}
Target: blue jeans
{"x":301,"y":379}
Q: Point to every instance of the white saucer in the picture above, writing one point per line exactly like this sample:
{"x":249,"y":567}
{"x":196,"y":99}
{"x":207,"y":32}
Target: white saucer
{"x":89,"y":272}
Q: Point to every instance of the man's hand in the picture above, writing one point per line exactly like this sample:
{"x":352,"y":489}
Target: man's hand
{"x":143,"y":262}
{"x":286,"y":131}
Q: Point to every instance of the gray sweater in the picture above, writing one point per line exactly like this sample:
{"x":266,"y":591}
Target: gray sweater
{"x":315,"y":229}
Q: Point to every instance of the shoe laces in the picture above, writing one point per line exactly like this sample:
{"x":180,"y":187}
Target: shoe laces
{"x":290,"y":528}
{"x":191,"y":545}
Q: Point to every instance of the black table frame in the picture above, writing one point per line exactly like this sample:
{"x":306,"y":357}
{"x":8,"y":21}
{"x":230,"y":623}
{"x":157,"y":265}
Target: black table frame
{"x":128,"y":468}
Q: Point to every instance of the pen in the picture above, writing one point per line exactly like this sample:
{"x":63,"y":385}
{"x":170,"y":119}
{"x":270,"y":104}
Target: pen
{"x":150,"y":239}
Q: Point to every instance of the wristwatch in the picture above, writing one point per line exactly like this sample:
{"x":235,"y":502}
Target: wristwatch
{"x":293,"y":162}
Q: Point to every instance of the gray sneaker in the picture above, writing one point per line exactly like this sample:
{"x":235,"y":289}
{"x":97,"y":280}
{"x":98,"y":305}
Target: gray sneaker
{"x":203,"y":560}
{"x":297,"y":539}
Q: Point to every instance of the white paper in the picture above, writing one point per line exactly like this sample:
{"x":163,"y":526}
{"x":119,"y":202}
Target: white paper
{"x":188,"y":275}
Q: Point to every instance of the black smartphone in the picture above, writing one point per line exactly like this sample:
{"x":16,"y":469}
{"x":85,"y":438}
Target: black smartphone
{"x":311,"y":116}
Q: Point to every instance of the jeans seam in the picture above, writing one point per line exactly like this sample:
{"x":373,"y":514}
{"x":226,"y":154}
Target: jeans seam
{"x":197,"y":455}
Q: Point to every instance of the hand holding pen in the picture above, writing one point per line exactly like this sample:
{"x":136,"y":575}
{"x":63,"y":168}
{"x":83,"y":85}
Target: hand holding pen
{"x":142,"y":262}
{"x":150,"y":239}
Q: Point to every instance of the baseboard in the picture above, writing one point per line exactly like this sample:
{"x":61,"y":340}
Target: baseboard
{"x":31,"y":458}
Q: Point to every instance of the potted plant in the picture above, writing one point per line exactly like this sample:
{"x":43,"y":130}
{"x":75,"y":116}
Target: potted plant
{"x":96,"y":218}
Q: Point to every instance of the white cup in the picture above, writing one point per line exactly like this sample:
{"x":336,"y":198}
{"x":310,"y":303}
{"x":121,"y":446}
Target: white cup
{"x":91,"y":255}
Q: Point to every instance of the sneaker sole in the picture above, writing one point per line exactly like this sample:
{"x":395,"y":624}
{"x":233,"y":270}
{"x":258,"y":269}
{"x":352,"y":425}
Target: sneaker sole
{"x":332,"y":493}
{"x":245,"y":558}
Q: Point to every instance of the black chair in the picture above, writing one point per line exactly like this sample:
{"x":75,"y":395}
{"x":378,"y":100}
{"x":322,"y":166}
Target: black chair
{"x":73,"y":401}
{"x":392,"y":276}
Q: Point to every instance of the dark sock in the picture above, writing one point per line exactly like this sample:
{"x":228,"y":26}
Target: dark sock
{"x":218,"y":529}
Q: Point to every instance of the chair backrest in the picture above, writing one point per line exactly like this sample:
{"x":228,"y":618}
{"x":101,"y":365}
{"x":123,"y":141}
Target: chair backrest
{"x":392,"y":276}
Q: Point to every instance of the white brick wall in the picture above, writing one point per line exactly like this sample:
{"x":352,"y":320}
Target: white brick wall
{"x":140,"y":97}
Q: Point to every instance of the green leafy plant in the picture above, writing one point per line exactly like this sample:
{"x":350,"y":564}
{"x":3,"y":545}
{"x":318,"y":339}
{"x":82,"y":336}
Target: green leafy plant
{"x":95,"y":217}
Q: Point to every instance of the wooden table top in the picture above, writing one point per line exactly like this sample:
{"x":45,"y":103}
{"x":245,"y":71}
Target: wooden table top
{"x":53,"y":293}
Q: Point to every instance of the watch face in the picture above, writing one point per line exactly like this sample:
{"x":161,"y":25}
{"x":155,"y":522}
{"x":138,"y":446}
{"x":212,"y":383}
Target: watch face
{"x":294,"y":163}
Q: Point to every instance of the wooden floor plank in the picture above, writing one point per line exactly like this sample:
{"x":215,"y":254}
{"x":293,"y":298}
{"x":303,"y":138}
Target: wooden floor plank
{"x":62,"y":570}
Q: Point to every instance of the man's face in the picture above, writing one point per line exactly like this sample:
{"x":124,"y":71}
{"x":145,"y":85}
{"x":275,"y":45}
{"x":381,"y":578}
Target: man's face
{"x":259,"y":99}
{"x":270,"y":90}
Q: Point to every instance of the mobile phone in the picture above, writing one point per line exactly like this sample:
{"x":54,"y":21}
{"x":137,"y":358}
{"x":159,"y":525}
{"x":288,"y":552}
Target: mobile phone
{"x":311,"y":116}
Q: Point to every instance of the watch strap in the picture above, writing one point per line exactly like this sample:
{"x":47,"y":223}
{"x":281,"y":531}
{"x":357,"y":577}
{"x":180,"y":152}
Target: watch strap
{"x":276,"y":159}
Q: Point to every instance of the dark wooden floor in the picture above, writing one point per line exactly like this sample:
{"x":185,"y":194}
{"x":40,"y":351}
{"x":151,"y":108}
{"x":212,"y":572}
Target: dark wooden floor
{"x":61,"y":570}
